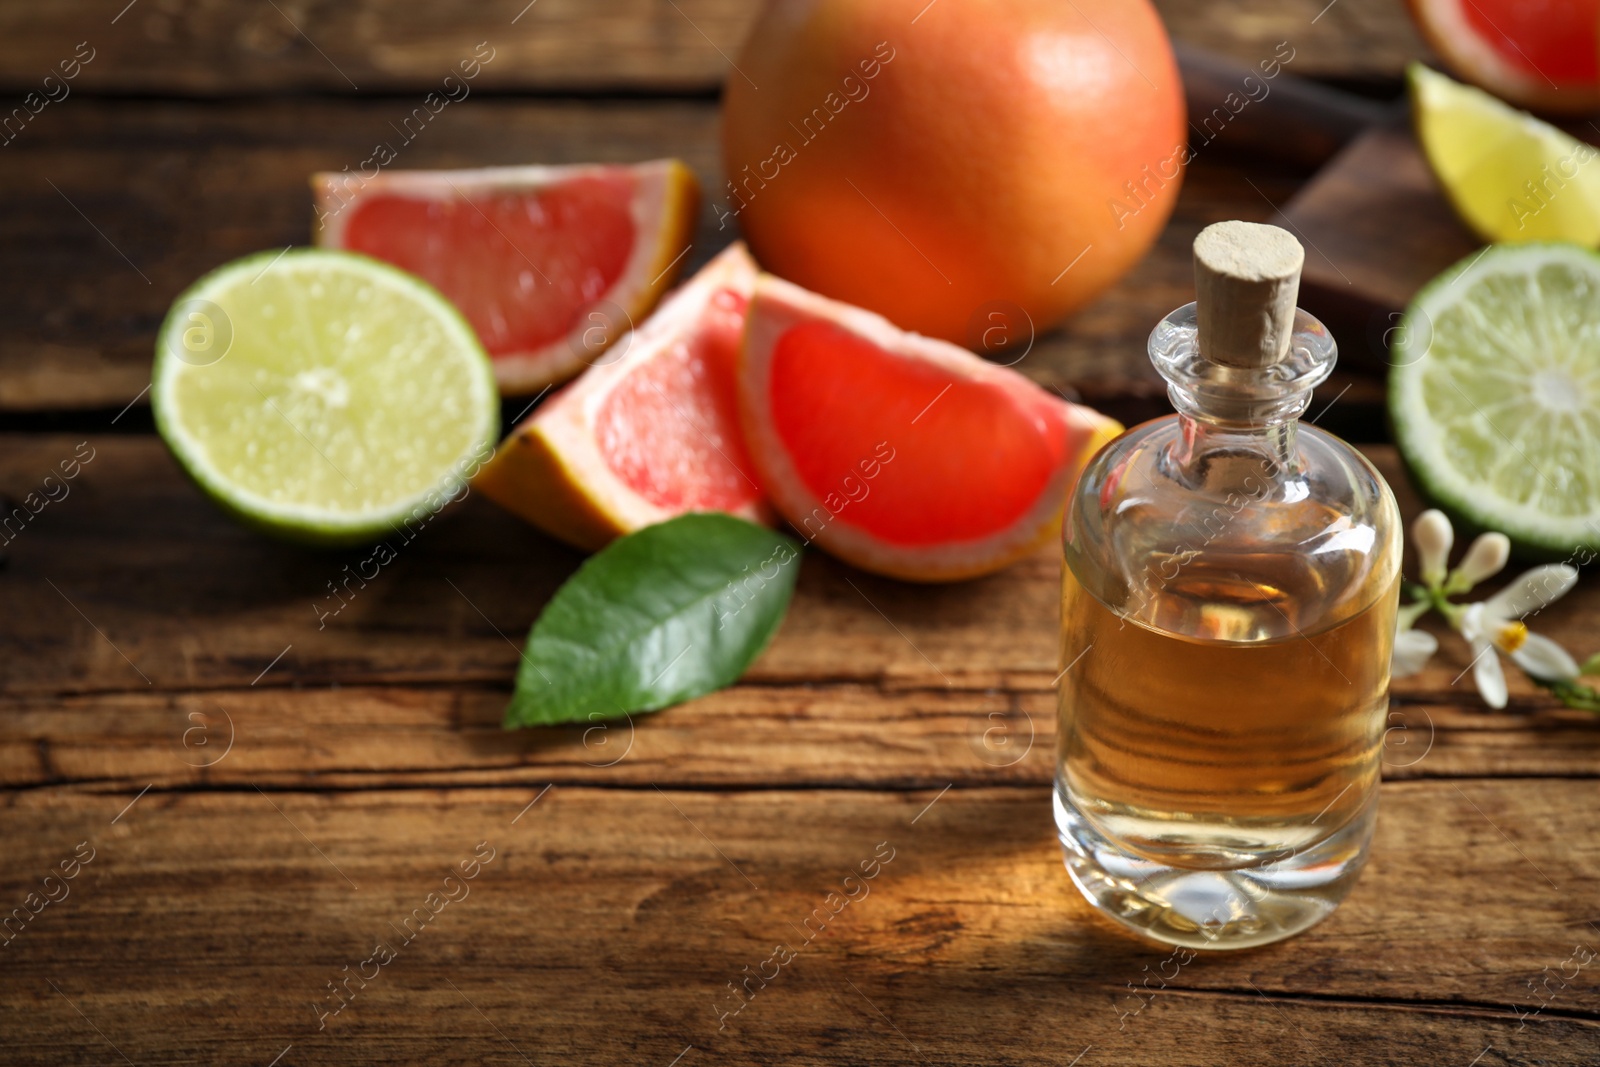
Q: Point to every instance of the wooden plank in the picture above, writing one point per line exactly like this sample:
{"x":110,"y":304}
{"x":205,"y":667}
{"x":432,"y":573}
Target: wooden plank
{"x":183,"y":598}
{"x":119,"y":206}
{"x":1365,"y":40}
{"x":869,"y":682}
{"x":750,"y":736}
{"x":1381,"y":221}
{"x":608,"y":925}
{"x":227,"y":47}
{"x":1294,"y":120}
{"x":1378,"y":229}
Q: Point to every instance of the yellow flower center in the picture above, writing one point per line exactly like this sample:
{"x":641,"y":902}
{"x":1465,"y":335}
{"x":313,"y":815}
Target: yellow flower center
{"x":1512,"y":636}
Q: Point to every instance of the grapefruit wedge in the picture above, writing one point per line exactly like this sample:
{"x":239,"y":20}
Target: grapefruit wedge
{"x":901,"y":454}
{"x":548,"y":264}
{"x":1543,"y":55}
{"x":646,"y":434}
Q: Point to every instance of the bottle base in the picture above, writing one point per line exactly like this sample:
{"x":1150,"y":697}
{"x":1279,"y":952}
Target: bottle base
{"x":1213,"y":909}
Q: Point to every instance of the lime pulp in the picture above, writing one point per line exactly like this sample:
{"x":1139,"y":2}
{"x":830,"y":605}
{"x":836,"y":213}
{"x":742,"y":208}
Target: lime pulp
{"x":322,"y":395}
{"x":1495,"y":394}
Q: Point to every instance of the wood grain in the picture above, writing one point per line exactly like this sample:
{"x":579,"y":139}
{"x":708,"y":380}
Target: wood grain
{"x":609,"y":922}
{"x":228,"y":47}
{"x":125,"y":644}
{"x":119,"y":206}
{"x":1381,"y":229}
{"x":750,"y":736}
{"x":341,"y":765}
{"x":177,"y":597}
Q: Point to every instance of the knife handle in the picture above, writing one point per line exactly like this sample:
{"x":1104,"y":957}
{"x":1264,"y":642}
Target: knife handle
{"x":1286,"y":118}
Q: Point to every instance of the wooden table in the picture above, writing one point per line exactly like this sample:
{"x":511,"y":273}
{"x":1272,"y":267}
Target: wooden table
{"x":256,"y":803}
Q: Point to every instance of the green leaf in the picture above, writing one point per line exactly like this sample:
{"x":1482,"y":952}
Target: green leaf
{"x":1590,"y":667}
{"x":668,"y":613}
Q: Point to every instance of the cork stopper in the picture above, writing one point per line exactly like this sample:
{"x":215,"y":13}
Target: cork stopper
{"x":1247,"y":278}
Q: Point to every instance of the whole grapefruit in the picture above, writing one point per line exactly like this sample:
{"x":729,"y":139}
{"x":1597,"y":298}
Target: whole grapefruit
{"x":950,"y":164}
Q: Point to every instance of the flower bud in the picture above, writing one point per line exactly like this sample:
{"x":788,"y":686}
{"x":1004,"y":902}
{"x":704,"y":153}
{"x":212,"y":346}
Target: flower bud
{"x":1432,"y":535}
{"x":1485,"y":558}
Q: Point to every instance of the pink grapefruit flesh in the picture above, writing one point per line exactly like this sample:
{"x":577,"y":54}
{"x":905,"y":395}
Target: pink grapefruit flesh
{"x":574,"y":237}
{"x":1544,"y":38}
{"x":901,"y":454}
{"x":536,"y":258}
{"x":640,"y":423}
{"x":1539,"y":54}
{"x":651,"y":431}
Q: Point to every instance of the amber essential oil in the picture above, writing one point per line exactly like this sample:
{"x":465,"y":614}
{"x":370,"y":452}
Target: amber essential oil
{"x":1228,"y":612}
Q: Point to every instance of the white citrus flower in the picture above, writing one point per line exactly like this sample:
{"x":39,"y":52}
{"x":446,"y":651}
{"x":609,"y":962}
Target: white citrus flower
{"x":1497,"y":624}
{"x":1412,"y":650}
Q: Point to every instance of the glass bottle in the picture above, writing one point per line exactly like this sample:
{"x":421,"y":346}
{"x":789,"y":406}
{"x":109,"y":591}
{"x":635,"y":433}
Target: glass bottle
{"x":1228,"y":611}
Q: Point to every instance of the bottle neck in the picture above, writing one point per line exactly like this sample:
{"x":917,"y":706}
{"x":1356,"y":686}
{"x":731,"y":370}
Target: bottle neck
{"x":1238,"y":424}
{"x":1231,"y":458}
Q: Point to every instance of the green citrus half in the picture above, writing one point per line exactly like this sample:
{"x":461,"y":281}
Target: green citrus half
{"x":323,"y":396}
{"x":1495,"y":393}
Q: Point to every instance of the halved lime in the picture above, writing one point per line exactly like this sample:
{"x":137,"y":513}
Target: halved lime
{"x":323,"y":396}
{"x":1509,"y":176}
{"x":1495,"y":393}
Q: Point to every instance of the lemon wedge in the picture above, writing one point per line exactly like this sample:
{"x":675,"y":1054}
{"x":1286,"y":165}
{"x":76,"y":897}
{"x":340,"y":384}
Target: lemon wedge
{"x":1510,"y":176}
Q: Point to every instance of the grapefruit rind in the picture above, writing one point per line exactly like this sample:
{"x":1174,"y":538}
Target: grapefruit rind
{"x":778,"y":306}
{"x":550,"y":470}
{"x":665,"y":206}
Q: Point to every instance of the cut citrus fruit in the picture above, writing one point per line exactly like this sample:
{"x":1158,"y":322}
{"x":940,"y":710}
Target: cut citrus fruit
{"x":902,"y":454}
{"x":1541,"y":55}
{"x":1495,"y":393}
{"x":649,"y":432}
{"x":323,"y":396}
{"x":549,"y":264}
{"x":1510,"y":176}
